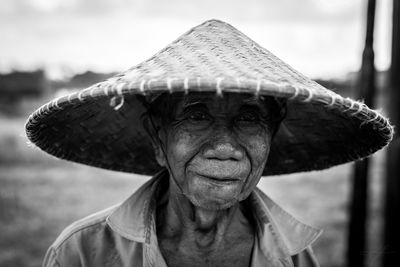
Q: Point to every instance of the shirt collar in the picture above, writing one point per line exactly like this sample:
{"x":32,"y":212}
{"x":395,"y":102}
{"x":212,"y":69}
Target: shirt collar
{"x":134,"y":217}
{"x":278,"y":230}
{"x":279,"y":234}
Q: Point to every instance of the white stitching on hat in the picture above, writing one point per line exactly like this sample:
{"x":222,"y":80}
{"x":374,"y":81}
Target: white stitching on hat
{"x":310,"y":95}
{"x":351,"y":104}
{"x":142,"y":87}
{"x":80,"y":95}
{"x":186,"y":85}
{"x":391,"y":129}
{"x":258,"y":87}
{"x":113,"y":88}
{"x":69,"y":97}
{"x":149,"y":83}
{"x":32,"y":119}
{"x":169,"y":83}
{"x":218,"y":87}
{"x":55,"y":103}
{"x":360,"y":107}
{"x":382,"y":120}
{"x":47,"y":106}
{"x":371,"y":120}
{"x":113,"y":101}
{"x":92,"y":90}
{"x":296,"y":93}
{"x":339,"y":99}
{"x":383,"y":127}
{"x":106,"y":88}
{"x":333,"y":100}
{"x":117,"y":107}
{"x":387,"y":125}
{"x":119,"y":88}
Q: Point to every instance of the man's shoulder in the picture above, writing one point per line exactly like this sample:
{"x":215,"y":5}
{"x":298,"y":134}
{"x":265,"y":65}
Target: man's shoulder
{"x":105,"y":235}
{"x":95,"y":222}
{"x":83,"y":243}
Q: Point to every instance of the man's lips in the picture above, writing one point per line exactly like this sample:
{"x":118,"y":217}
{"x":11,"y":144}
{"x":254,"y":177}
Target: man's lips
{"x":219,"y":170}
{"x":218,"y":178}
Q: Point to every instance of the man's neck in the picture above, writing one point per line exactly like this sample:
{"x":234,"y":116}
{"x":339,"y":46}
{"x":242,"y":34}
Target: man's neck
{"x":191,"y":235}
{"x":180,"y":218}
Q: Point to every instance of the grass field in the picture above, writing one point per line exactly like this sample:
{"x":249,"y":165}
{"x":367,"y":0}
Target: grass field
{"x":39,"y":196}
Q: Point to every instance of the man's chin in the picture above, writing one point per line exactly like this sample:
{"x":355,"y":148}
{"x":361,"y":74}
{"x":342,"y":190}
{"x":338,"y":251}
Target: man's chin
{"x":210,"y":204}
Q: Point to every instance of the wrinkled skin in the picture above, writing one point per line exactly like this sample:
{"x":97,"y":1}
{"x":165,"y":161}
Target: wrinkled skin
{"x":215,"y":149}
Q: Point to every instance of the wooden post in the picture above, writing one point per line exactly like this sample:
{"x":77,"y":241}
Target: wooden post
{"x":391,"y":245}
{"x":358,"y":209}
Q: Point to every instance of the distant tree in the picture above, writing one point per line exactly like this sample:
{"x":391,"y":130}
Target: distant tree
{"x":342,"y":87}
{"x":86,"y":79}
{"x":18,"y":84}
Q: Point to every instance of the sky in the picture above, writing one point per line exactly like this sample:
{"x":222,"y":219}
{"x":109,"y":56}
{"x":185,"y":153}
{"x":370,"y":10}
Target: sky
{"x":320,"y":38}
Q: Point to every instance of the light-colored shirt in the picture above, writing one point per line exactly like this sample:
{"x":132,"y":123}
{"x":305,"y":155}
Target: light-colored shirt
{"x":125,"y":235}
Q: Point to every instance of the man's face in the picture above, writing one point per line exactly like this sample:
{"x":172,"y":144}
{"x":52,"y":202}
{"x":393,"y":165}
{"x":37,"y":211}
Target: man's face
{"x":217,"y":147}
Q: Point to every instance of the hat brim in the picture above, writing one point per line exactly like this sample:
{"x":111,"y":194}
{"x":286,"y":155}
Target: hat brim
{"x":318,"y":132}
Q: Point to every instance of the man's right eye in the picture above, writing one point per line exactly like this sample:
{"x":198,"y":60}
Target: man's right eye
{"x":198,"y":116}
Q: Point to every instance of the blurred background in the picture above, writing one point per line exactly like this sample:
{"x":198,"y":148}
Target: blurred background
{"x":49,"y":48}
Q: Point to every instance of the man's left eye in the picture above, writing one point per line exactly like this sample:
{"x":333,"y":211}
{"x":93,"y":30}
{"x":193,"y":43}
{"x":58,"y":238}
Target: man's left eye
{"x":198,"y":116}
{"x":247,"y":117}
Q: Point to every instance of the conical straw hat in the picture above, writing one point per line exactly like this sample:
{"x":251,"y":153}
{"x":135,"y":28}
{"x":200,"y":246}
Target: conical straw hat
{"x":101,"y":125}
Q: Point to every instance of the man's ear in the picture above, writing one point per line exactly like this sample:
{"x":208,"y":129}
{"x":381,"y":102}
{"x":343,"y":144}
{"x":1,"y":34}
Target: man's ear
{"x":153,"y":130}
{"x":159,"y":153}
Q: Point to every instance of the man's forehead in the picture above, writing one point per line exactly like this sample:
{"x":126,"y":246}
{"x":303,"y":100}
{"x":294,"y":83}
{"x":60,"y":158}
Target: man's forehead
{"x":194,"y":98}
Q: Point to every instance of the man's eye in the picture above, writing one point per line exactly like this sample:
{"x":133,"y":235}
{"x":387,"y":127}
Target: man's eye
{"x":247,"y":117}
{"x":198,"y":116}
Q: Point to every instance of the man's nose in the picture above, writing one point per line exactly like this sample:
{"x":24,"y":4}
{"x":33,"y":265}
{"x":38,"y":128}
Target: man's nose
{"x":223,"y":146}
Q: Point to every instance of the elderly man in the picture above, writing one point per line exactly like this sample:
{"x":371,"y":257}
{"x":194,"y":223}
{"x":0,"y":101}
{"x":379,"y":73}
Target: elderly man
{"x":210,"y":115}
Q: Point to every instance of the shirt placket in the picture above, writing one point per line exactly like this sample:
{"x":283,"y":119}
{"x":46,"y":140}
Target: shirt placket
{"x":268,"y":246}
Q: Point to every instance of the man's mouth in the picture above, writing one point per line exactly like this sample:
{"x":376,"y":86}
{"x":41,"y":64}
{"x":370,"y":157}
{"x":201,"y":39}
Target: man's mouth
{"x":218,"y":171}
{"x":225,"y":179}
